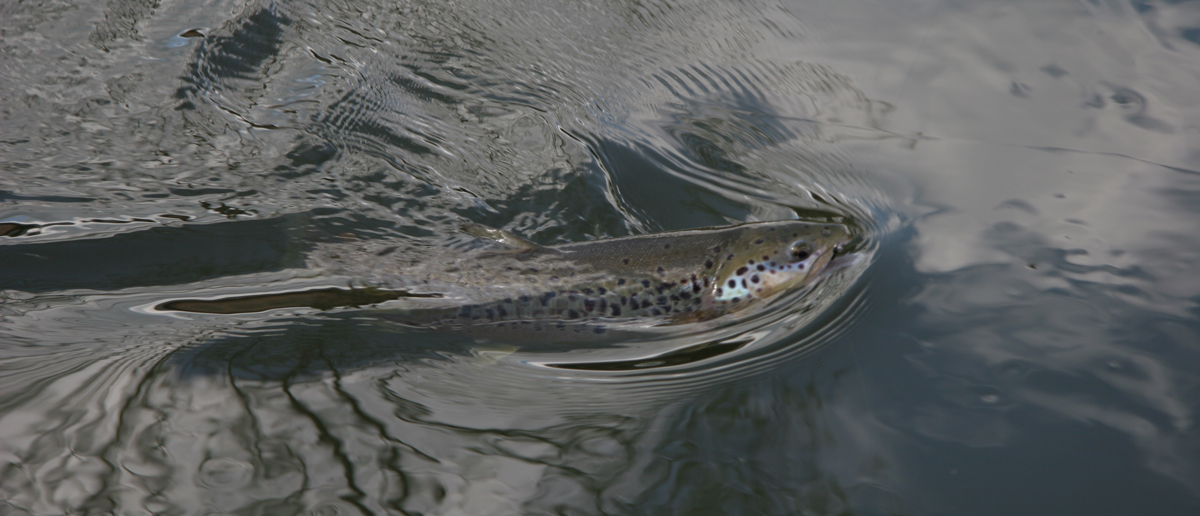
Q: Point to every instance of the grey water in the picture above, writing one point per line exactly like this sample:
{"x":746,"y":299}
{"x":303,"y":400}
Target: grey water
{"x":1023,"y":336}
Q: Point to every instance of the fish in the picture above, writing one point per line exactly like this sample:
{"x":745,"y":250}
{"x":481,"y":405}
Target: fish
{"x":510,"y":283}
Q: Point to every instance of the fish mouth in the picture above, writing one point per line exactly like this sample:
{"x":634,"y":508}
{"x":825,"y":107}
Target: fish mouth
{"x":841,"y":259}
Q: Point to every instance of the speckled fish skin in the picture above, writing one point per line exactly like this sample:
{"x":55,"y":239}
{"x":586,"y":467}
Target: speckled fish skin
{"x":675,"y":277}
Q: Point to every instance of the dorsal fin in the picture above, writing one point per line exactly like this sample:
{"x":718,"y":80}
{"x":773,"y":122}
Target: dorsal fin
{"x":509,"y":241}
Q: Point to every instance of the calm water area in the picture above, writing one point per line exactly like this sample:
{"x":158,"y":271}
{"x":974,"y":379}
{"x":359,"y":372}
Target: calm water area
{"x":1022,"y":335}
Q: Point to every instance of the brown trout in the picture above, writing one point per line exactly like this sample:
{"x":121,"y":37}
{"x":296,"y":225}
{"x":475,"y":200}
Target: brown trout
{"x":521,"y":289}
{"x":675,"y":277}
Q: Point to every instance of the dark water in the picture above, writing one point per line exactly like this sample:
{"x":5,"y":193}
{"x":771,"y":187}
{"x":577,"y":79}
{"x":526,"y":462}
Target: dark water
{"x":1024,"y":338}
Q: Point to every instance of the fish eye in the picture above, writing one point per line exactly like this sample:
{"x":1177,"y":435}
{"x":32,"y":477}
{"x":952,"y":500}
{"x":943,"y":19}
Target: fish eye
{"x":800,"y":251}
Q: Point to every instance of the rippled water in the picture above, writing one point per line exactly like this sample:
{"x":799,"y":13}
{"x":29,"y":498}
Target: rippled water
{"x":1023,"y":338}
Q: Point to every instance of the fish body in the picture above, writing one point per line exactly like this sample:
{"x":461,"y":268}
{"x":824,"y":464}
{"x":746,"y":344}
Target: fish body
{"x":668,"y":278}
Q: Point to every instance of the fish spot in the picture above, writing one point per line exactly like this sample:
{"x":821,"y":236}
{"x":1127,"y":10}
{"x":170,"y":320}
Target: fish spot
{"x":524,"y":299}
{"x":547,"y":297}
{"x":666,"y":246}
{"x":759,"y":290}
{"x":717,"y":249}
{"x":491,"y":314}
{"x":599,"y":330}
{"x":675,"y":297}
{"x":754,"y":278}
{"x":625,"y":261}
{"x":800,"y":266}
{"x":732,"y":284}
{"x":742,"y":271}
{"x":572,"y":298}
{"x":661,"y":271}
{"x":602,"y":290}
{"x":744,"y":283}
{"x":646,"y":283}
{"x":645,"y":303}
{"x":720,"y":292}
{"x":616,"y":310}
{"x":572,"y":314}
{"x":708,"y":264}
{"x":770,"y":229}
{"x":655,"y":312}
{"x":696,"y":287}
{"x":758,"y":242}
{"x":761,"y":268}
{"x":589,"y":304}
{"x":751,"y":262}
{"x":624,"y":300}
{"x":662,"y":301}
{"x":730,"y":257}
{"x":736,"y":299}
{"x":501,"y":311}
{"x":586,"y":291}
{"x":620,"y":281}
{"x":765,"y":257}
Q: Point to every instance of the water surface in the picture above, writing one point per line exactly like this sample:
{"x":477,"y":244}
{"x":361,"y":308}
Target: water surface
{"x":1023,"y":337}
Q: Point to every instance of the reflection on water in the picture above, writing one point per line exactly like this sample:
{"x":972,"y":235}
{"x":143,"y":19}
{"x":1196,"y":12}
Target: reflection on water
{"x":1021,"y":340}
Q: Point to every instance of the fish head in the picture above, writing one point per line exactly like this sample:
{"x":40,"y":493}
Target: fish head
{"x":771,"y":259}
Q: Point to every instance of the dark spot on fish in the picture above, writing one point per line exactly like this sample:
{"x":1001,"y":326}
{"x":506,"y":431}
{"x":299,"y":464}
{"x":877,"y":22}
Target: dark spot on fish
{"x":743,"y":283}
{"x":761,"y":267}
{"x":655,"y":312}
{"x":675,"y":298}
{"x":547,"y":297}
{"x":717,"y":249}
{"x":661,"y":271}
{"x":624,"y":300}
{"x":572,"y":298}
{"x":794,"y":235}
{"x":586,"y":291}
{"x":770,"y":229}
{"x":800,"y":266}
{"x":646,"y":283}
{"x":683,"y":295}
{"x":602,"y":290}
{"x":720,"y":291}
{"x":708,"y":264}
{"x":706,"y":280}
{"x":751,"y":262}
{"x":662,"y":301}
{"x":732,"y":284}
{"x":758,"y":242}
{"x":754,"y":278}
{"x":524,"y":299}
{"x":666,"y":246}
{"x":765,"y":257}
{"x":491,"y":314}
{"x":509,"y":268}
{"x":616,"y":310}
{"x":553,"y":278}
{"x":589,"y":304}
{"x":501,"y":311}
{"x":620,"y":281}
{"x":599,"y":330}
{"x":645,"y":303}
{"x":730,"y":257}
{"x":533,"y":269}
{"x":759,"y":290}
{"x":741,"y":271}
{"x":736,"y":299}
{"x":625,"y":261}
{"x":572,"y":314}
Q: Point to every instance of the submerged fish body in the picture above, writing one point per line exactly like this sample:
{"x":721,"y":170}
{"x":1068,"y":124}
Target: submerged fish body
{"x":664,"y":278}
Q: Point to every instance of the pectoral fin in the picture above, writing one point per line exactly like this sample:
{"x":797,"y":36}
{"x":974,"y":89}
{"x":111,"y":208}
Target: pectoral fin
{"x":508,"y":241}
